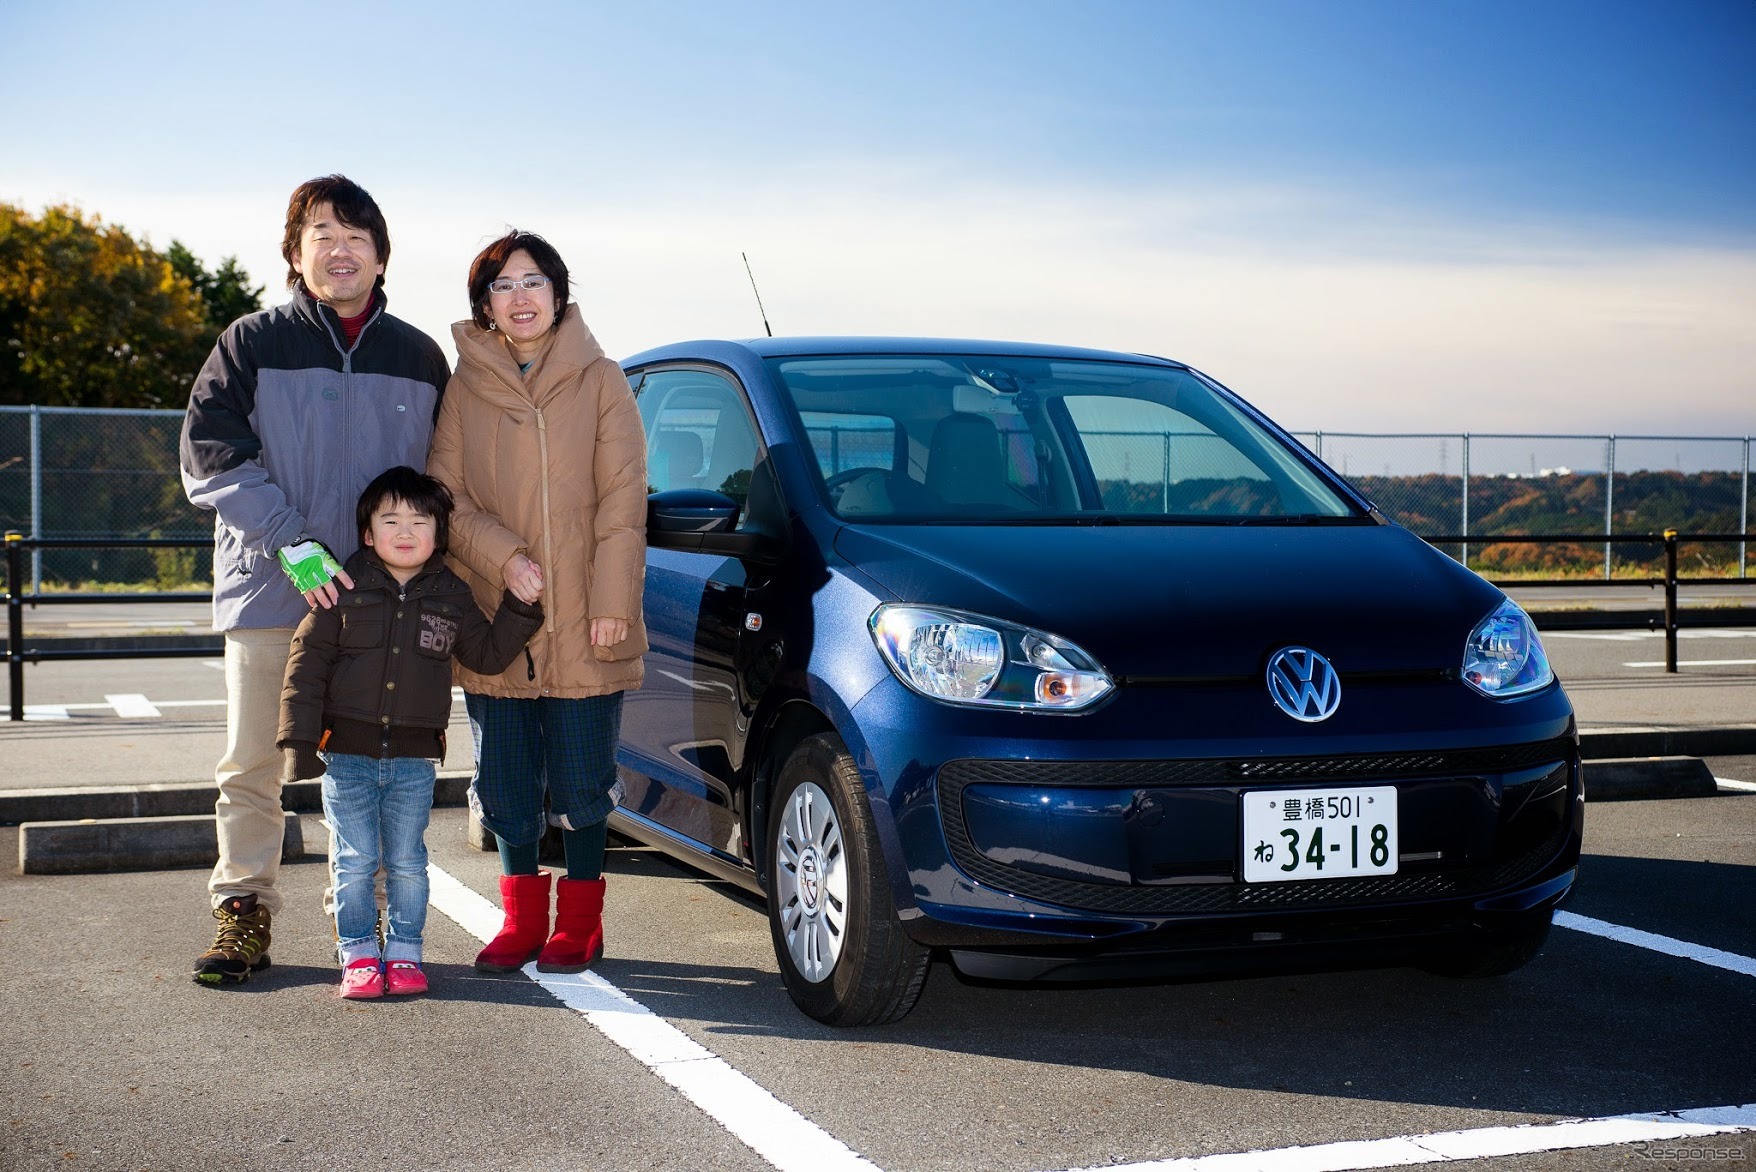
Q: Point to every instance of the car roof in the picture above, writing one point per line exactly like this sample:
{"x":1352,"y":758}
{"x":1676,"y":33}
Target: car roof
{"x":828,"y":345}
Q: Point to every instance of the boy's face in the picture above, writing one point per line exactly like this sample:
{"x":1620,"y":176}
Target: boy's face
{"x":402,"y":537}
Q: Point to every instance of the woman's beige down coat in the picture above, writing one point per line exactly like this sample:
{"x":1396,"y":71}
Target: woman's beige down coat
{"x":550,"y":463}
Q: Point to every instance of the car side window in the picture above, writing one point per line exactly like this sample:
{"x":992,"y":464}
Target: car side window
{"x":699,"y":434}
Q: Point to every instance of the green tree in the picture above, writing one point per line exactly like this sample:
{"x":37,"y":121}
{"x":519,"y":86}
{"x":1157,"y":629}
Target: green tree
{"x":91,"y":317}
{"x":225,"y":291}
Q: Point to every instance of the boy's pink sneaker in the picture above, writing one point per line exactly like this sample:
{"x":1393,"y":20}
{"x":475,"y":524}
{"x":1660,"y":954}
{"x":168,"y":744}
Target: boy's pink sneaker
{"x":362,"y":980}
{"x":404,"y":976}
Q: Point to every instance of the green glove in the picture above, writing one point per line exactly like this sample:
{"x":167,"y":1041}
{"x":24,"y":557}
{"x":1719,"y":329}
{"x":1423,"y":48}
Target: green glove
{"x":308,"y":564}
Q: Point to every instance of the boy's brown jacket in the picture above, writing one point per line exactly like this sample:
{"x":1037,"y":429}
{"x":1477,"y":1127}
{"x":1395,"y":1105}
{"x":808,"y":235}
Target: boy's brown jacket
{"x":550,"y":463}
{"x":373,"y":672}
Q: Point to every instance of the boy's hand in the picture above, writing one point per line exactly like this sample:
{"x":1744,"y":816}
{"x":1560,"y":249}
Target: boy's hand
{"x":301,"y":762}
{"x":313,"y":571}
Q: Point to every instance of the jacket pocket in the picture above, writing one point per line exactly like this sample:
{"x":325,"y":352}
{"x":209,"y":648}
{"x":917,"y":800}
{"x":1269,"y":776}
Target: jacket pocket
{"x":632,"y":647}
{"x":362,"y":622}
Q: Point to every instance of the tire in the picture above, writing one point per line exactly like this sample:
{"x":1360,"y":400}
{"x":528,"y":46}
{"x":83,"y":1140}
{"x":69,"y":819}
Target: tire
{"x":842,"y":952}
{"x":1496,"y":955}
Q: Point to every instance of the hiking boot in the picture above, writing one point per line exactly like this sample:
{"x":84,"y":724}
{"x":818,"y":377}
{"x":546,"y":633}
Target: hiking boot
{"x":240,"y":947}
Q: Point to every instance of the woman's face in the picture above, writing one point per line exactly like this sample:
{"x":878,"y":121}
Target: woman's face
{"x":523,"y":315}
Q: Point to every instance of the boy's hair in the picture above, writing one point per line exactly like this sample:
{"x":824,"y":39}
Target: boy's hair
{"x":353,"y":205}
{"x":488,"y":263}
{"x":418,"y":491}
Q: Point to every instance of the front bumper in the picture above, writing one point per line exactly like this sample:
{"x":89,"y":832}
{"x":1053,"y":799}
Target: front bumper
{"x":1138,"y":865}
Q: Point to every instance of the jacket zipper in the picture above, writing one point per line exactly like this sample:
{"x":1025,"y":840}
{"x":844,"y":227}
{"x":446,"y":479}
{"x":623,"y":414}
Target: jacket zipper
{"x":548,"y":554}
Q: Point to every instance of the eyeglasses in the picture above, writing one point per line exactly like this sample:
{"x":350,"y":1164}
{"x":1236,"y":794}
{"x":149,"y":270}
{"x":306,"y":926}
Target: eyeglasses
{"x":507,"y":284}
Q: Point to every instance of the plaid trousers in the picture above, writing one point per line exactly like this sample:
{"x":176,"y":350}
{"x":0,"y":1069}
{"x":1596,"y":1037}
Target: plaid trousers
{"x":526,"y":748}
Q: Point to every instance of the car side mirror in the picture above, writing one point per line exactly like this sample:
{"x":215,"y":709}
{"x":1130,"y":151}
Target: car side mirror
{"x":702,"y":521}
{"x":690,"y":511}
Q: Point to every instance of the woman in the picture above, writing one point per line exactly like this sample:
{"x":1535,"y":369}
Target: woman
{"x":539,"y":440}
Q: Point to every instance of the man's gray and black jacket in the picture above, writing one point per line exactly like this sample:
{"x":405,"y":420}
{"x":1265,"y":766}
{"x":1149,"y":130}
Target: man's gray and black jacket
{"x":286,"y":427}
{"x":371,"y":675}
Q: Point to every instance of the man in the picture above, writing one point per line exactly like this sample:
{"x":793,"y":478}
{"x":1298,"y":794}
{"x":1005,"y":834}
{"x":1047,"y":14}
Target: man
{"x":293,"y":414}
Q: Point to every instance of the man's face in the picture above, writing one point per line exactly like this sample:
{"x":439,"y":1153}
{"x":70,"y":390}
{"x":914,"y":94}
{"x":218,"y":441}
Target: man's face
{"x":338,"y":262}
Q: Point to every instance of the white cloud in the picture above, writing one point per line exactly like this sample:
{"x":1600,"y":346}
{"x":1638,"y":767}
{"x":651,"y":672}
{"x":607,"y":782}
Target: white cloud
{"x":1325,"y":311}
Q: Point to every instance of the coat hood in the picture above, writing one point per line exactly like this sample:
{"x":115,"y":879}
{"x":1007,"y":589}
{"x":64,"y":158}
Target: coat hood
{"x":494,"y":372}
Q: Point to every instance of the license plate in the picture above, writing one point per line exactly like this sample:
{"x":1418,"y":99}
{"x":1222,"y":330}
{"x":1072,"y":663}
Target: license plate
{"x":1319,"y":833}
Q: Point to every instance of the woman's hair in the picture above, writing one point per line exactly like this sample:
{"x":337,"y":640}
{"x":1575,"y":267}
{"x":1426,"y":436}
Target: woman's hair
{"x":418,"y":491}
{"x":493,"y":258}
{"x":353,"y":207}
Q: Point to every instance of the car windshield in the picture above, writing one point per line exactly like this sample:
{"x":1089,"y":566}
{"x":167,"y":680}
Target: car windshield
{"x":1018,"y":440}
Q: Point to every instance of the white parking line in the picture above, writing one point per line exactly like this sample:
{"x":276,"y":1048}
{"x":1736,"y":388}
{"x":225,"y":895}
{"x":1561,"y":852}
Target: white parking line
{"x":1719,"y":959}
{"x":1748,"y":787}
{"x":1641,"y":636}
{"x":131,"y":704}
{"x":1479,"y":1143}
{"x":773,"y":1130}
{"x":1694,"y":663}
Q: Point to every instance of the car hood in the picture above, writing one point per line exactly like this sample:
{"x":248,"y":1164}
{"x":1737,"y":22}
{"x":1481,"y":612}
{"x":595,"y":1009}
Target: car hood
{"x":1193,"y":602}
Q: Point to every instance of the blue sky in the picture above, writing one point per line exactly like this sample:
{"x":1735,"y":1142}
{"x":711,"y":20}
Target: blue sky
{"x":1372,"y":216}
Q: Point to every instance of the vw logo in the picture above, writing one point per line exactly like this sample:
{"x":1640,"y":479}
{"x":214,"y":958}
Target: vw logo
{"x":810,"y":880}
{"x":1304,"y":685}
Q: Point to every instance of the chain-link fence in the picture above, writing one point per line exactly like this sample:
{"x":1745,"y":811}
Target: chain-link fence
{"x":69,"y":472}
{"x":87,"y":473}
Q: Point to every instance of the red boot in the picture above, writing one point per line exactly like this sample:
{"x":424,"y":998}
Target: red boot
{"x":526,"y":900}
{"x":579,"y":927}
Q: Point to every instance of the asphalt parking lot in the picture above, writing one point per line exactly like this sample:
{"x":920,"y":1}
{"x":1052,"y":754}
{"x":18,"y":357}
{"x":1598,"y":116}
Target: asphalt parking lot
{"x":681,"y":1050}
{"x":115,"y":1059}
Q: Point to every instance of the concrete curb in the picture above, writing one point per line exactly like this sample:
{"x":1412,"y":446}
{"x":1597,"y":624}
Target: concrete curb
{"x":131,"y":844}
{"x":1731,"y":740}
{"x":1637,"y":778}
{"x":163,"y":800}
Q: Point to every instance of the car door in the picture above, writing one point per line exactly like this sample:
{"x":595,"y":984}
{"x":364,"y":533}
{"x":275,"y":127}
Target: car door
{"x":682,"y":730}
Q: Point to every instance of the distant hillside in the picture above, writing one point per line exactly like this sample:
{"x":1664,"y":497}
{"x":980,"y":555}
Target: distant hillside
{"x":1645,"y":502}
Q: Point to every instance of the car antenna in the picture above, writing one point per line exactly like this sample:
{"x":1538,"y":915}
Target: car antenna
{"x":758,"y":293}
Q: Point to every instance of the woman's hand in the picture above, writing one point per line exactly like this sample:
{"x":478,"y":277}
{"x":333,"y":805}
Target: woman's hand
{"x":608,"y":632}
{"x":524,"y":578}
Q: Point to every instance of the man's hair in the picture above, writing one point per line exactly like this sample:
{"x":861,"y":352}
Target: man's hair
{"x":418,"y":491}
{"x":493,"y":258}
{"x":353,"y":206}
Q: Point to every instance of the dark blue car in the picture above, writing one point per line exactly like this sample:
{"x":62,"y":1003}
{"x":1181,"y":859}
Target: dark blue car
{"x":1069,"y":665}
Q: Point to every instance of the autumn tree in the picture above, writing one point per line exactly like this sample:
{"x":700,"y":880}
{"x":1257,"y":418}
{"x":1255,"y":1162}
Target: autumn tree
{"x":91,"y":317}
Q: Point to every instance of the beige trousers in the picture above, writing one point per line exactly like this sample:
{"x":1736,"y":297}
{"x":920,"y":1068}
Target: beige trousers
{"x":248,"y":813}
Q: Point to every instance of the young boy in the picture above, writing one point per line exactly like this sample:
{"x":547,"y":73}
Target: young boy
{"x":365,"y":704}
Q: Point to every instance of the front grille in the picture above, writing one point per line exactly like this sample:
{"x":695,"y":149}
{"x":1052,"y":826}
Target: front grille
{"x":1230,"y":770}
{"x":1233,"y":897}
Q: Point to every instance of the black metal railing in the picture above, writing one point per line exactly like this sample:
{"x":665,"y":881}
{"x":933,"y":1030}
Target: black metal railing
{"x":17,"y":655}
{"x":1669,"y":620}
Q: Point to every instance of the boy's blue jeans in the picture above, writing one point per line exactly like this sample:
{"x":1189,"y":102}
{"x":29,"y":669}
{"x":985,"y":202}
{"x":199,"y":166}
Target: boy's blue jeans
{"x":378,"y":811}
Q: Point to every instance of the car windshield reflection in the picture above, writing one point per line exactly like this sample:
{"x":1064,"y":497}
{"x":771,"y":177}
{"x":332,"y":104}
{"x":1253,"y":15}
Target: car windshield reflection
{"x":1020,"y":441}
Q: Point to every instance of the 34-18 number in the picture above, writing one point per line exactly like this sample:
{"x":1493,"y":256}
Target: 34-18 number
{"x":1317,"y":852}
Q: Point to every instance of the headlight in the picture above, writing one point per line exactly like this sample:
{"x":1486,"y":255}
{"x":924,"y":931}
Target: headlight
{"x":1504,"y":657}
{"x":968,"y":659}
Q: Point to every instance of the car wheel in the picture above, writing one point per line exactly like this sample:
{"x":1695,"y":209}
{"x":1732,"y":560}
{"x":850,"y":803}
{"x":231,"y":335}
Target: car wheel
{"x":1500,"y":954}
{"x":843,"y":954}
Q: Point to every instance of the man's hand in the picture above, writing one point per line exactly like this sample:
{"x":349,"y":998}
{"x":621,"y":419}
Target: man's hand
{"x":524,"y":578}
{"x":313,"y":571}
